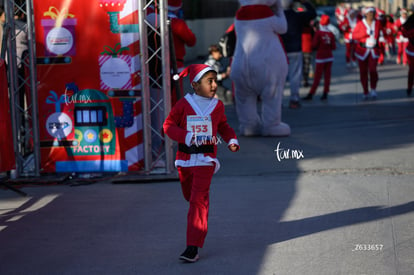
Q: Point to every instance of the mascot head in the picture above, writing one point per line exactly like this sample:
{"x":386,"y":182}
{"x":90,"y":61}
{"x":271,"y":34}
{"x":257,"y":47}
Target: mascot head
{"x":286,"y":4}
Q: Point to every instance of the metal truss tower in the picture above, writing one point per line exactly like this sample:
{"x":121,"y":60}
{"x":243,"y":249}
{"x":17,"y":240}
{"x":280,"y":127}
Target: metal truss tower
{"x":156,"y":89}
{"x":23,"y":87}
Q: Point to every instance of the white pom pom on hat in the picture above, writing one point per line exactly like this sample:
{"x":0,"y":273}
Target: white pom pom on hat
{"x":195,"y":72}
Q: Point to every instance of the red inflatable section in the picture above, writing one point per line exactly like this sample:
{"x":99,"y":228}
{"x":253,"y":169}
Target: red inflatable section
{"x":7,"y":160}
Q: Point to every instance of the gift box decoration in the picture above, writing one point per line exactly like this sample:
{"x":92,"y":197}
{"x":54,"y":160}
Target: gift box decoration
{"x":115,"y":68}
{"x":59,"y":32}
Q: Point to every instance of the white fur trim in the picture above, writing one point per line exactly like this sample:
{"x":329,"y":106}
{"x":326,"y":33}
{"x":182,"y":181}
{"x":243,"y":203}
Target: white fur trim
{"x":201,"y":73}
{"x":198,"y":160}
{"x":233,"y":141}
{"x":196,"y":108}
{"x":324,"y":60}
{"x":369,"y":9}
{"x":410,"y":53}
{"x":174,"y":8}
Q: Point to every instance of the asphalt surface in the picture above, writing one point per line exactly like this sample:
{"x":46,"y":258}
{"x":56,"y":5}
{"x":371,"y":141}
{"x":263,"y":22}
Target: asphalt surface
{"x":342,"y":203}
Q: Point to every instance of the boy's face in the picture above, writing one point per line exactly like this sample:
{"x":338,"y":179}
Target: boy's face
{"x":207,"y":85}
{"x":216,"y":55}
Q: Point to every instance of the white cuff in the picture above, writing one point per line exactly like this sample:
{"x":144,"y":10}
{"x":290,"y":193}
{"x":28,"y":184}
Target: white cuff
{"x":233,"y":141}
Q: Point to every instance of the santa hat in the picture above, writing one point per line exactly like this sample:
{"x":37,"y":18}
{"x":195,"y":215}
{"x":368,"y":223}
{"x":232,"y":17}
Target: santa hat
{"x":174,"y":5}
{"x":369,"y":9}
{"x":324,"y":20}
{"x":196,"y":72}
{"x":380,"y":12}
{"x":403,"y":11}
{"x":352,"y":12}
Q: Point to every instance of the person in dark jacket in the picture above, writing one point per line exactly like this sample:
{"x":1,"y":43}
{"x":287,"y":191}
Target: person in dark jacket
{"x":298,"y":15}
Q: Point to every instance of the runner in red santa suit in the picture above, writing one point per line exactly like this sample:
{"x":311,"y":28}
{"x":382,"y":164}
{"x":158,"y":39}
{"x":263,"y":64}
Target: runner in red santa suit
{"x":402,"y":41}
{"x":183,"y":36}
{"x":347,"y":26}
{"x":389,"y":36}
{"x":408,"y":31}
{"x":324,"y":43}
{"x":341,"y":11}
{"x":382,"y":42}
{"x":366,"y":35}
{"x":194,"y":123}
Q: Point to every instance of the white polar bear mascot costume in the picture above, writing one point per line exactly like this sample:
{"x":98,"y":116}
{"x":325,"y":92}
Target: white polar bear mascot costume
{"x":260,"y":67}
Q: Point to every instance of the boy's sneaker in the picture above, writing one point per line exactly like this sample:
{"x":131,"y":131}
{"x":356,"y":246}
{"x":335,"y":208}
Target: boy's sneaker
{"x":190,"y":254}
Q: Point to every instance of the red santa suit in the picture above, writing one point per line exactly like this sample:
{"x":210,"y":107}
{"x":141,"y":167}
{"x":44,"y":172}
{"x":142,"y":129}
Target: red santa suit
{"x":408,"y":32}
{"x":340,"y":12}
{"x":347,"y":26}
{"x":402,"y":41}
{"x":194,"y":123}
{"x":323,"y":42}
{"x":380,"y":16}
{"x":367,"y":51}
{"x":307,"y":36}
{"x":389,"y":33}
{"x":410,"y":55}
{"x":182,"y":35}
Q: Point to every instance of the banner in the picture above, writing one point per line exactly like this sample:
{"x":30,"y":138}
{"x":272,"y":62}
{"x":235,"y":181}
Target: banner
{"x":89,"y":100}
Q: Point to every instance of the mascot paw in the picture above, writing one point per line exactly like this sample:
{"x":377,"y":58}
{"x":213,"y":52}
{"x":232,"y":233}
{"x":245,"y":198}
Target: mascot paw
{"x":250,"y":131}
{"x":280,"y":130}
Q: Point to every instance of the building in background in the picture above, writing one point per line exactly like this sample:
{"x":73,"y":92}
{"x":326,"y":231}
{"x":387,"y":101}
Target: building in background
{"x":392,"y":6}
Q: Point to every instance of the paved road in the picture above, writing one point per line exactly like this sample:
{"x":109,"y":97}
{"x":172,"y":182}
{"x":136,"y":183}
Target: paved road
{"x":344,"y":204}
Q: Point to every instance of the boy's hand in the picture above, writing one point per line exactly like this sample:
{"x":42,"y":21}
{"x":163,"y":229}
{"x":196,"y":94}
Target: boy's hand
{"x":234,"y":147}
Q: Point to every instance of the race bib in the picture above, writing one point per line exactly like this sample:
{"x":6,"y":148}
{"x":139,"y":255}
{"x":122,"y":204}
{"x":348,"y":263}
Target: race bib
{"x":370,"y":42}
{"x":201,"y":127}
